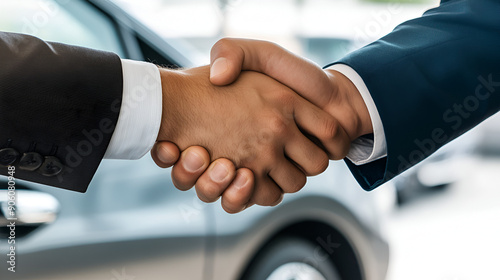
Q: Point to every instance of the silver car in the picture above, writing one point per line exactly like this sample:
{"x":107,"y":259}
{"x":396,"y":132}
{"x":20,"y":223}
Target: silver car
{"x":133,"y":224}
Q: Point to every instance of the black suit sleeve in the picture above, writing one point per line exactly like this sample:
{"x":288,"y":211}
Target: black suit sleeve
{"x":59,"y":105}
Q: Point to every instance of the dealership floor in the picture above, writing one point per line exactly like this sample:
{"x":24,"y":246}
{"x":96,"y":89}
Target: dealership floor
{"x":452,"y":234}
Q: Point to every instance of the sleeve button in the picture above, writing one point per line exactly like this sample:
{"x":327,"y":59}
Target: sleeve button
{"x":30,"y":161}
{"x":8,"y":156}
{"x":51,"y":167}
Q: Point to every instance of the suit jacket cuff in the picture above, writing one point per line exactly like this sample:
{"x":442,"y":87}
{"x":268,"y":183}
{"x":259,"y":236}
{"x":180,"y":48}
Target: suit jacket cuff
{"x":140,"y":115}
{"x":365,"y":149}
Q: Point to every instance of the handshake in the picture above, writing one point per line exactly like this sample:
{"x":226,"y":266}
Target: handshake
{"x":255,"y":123}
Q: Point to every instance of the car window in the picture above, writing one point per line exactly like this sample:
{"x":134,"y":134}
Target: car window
{"x":72,"y":22}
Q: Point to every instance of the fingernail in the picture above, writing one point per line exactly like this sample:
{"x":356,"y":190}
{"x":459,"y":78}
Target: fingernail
{"x":218,"y":67}
{"x":193,"y":162}
{"x":219,"y":172}
{"x":164,"y":155}
{"x":240,"y":181}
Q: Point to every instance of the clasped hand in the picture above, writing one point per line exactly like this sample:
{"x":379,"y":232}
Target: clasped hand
{"x":251,"y":136}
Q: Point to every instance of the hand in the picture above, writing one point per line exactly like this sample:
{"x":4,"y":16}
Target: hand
{"x":197,"y":113}
{"x":322,"y":87}
{"x":328,"y":89}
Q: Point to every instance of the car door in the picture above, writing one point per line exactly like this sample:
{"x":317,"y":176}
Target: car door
{"x":132,"y":223}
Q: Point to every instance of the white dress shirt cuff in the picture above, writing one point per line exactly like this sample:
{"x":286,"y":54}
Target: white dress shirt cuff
{"x":140,"y":115}
{"x":365,"y":150}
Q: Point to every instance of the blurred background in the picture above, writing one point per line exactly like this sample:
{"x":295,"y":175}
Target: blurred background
{"x":322,"y":30}
{"x":440,"y":218}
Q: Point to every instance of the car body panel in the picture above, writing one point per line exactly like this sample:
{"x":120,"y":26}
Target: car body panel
{"x":324,"y":199}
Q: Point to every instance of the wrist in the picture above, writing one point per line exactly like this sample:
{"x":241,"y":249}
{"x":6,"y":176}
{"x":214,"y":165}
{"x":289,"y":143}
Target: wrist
{"x":171,"y":82}
{"x":349,"y":106}
{"x":186,"y":102}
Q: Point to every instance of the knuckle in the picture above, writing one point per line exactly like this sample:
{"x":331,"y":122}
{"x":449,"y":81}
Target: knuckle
{"x":284,"y":96}
{"x":224,"y":41}
{"x":180,"y":181}
{"x":203,"y":199}
{"x":231,"y":208}
{"x":330,"y":129}
{"x":343,"y":151}
{"x":222,"y":44}
{"x":270,"y":199}
{"x":320,"y":165}
{"x":207,"y":191}
{"x":278,"y":124}
{"x":278,"y":199}
{"x":181,"y":186}
{"x":297,"y":184}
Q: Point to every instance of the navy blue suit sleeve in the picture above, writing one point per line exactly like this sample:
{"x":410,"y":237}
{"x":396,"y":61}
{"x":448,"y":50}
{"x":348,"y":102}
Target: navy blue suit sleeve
{"x":432,"y":79}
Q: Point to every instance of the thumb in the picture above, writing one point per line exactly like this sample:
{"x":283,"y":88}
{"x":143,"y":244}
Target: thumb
{"x":231,"y":56}
{"x":165,"y":154}
{"x":226,"y":60}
